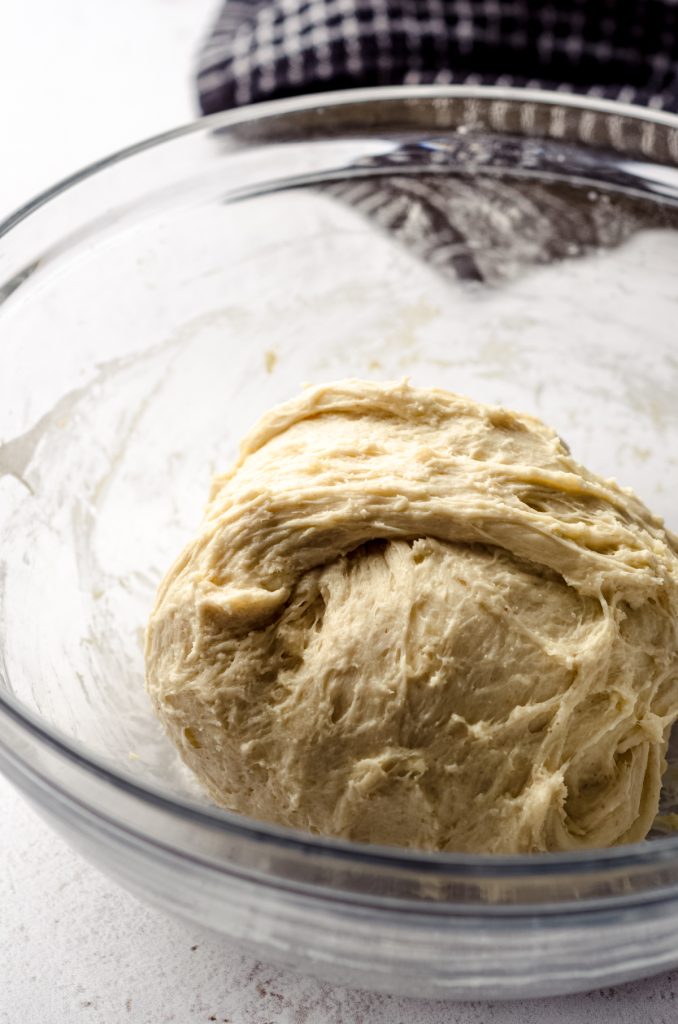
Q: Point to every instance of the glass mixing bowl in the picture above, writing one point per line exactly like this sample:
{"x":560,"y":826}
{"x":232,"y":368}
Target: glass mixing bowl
{"x":519,"y":247}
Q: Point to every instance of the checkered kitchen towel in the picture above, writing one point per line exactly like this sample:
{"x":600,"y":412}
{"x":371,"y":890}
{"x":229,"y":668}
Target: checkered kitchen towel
{"x":619,"y":49}
{"x":488,"y":229}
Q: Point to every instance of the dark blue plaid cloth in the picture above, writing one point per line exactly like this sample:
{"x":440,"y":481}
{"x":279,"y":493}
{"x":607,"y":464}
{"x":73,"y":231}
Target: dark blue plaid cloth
{"x":619,"y":49}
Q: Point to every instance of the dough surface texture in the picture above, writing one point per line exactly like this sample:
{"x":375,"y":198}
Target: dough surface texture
{"x":408,"y":618}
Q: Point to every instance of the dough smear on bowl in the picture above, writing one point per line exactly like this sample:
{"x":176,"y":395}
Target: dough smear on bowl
{"x":412,"y":619}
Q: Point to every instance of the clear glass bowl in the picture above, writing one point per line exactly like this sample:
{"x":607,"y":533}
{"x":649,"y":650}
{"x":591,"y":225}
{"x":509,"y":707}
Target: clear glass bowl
{"x":515,"y":246}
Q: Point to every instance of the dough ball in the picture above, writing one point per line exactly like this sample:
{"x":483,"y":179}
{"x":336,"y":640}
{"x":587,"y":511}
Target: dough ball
{"x":411,"y":619}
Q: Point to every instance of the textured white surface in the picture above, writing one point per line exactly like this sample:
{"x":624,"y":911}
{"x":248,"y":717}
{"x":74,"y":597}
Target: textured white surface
{"x":78,"y":80}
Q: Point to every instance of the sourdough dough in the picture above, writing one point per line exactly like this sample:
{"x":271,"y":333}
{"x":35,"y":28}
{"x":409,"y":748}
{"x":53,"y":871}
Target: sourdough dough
{"x":408,"y":618}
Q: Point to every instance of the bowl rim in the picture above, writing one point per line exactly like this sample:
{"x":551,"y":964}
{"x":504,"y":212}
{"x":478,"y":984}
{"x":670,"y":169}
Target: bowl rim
{"x":491,"y":866}
{"x":337,"y":98}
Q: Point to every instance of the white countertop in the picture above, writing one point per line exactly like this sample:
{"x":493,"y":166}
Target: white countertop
{"x":80,"y":79}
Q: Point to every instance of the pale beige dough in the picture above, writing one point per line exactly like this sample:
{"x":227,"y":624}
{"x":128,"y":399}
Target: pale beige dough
{"x":408,"y":618}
